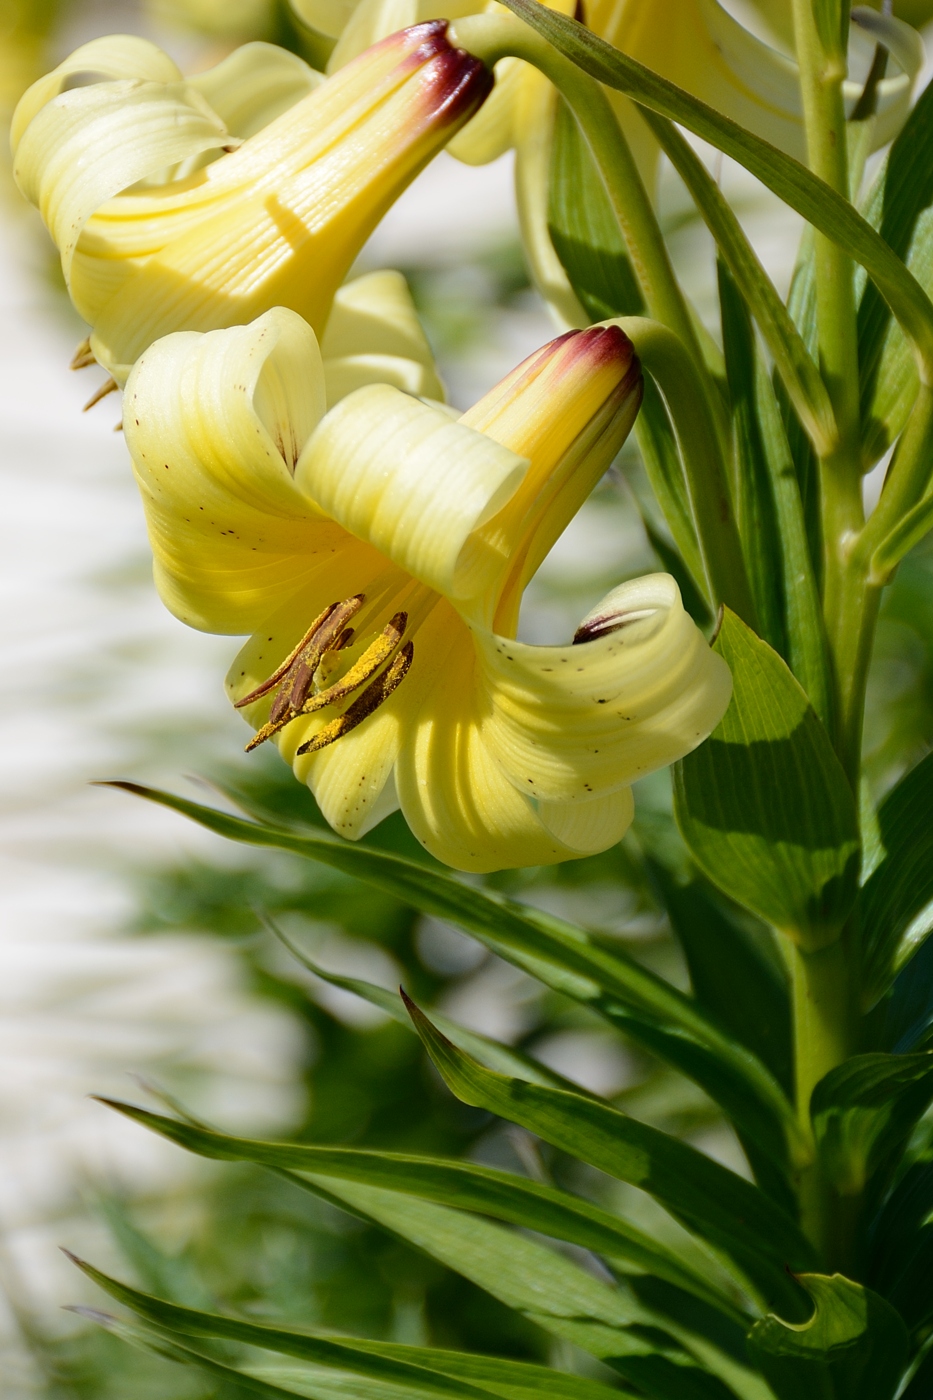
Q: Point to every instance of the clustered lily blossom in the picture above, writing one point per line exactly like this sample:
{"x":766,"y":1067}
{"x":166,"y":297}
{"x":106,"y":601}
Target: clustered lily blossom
{"x":378,"y":553}
{"x":303,"y":481}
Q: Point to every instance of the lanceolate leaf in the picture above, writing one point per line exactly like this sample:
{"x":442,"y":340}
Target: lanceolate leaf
{"x":423,"y":1370}
{"x":901,"y":193}
{"x":489,"y":1052}
{"x":729,"y":1212}
{"x":764,"y":805}
{"x":732,"y":975}
{"x":854,"y":1346}
{"x":863,"y":1113}
{"x":900,"y":1259}
{"x":560,"y":954}
{"x":502,"y":1195}
{"x":663,"y":1367}
{"x":585,"y":231}
{"x":893,"y":900}
{"x":791,"y":181}
{"x":657,"y":443}
{"x":792,"y":359}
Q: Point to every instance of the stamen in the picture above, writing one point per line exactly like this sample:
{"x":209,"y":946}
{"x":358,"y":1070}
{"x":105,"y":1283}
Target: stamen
{"x":106,"y":388}
{"x":293,"y":655}
{"x":83,"y":356}
{"x":373,"y":696}
{"x":612,"y":622}
{"x":297,"y":671}
{"x":362,"y":670}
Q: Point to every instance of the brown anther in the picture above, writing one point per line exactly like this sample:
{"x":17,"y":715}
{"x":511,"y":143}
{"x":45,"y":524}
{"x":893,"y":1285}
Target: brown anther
{"x":612,"y":622}
{"x":373,"y":696}
{"x":296,"y":673}
{"x":106,"y":388}
{"x":362,"y":670}
{"x":83,"y":356}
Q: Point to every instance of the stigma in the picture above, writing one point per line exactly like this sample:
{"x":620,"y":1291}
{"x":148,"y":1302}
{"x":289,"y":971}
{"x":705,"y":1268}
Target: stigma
{"x":298,"y":682}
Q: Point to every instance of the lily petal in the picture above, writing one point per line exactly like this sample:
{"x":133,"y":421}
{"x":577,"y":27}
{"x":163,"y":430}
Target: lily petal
{"x":254,"y":85}
{"x":215,"y":424}
{"x":89,"y":143}
{"x":114,"y":57}
{"x":417,"y":485}
{"x":459,"y":803}
{"x":374,"y":336}
{"x":572,"y":723}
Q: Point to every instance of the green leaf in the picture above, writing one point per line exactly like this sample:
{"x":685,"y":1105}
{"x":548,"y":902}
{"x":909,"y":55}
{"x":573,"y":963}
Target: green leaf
{"x":754,"y":498}
{"x":489,"y":1052}
{"x":764,"y":805}
{"x":502,"y":1195}
{"x":786,"y":177}
{"x":584,"y":230}
{"x":559,"y":954}
{"x":732,"y":975}
{"x":792,"y":359}
{"x":903,"y":1020}
{"x":729,"y":1212}
{"x":803,"y":614}
{"x":660,"y":454}
{"x":897,"y":206}
{"x":864,"y":1111}
{"x":664,"y":1369}
{"x":853,"y":1348}
{"x":421,"y":1370}
{"x":900,"y":888}
{"x":900,"y":1261}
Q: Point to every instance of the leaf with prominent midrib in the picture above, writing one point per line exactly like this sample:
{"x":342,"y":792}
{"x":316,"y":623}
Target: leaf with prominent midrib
{"x":502,"y":1195}
{"x":764,"y":805}
{"x":732,"y":1214}
{"x":863,"y":1113}
{"x":561,"y":955}
{"x":819,"y":204}
{"x":900,"y":888}
{"x":854,"y":1347}
{"x":584,"y":229}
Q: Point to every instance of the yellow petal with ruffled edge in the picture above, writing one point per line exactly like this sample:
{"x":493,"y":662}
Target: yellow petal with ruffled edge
{"x":111,"y":58}
{"x":374,"y":336}
{"x":457,"y":799}
{"x":255,"y":84}
{"x":571,"y":723}
{"x":415,"y":484}
{"x":215,"y":424}
{"x":86,"y":145}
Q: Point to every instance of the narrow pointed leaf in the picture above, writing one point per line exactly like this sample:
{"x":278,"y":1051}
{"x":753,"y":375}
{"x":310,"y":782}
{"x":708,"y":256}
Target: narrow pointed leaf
{"x":726,"y":1210}
{"x":900,"y":1261}
{"x":853,"y":1347}
{"x":895,"y":902}
{"x":560,"y":954}
{"x":864,"y":1111}
{"x":764,"y":804}
{"x":816,"y":201}
{"x":792,"y":359}
{"x":585,"y":231}
{"x":503,"y":1195}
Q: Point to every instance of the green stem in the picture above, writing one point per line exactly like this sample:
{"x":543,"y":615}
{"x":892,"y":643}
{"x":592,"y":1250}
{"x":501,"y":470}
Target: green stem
{"x":492,"y":37}
{"x":846,"y":607}
{"x":822,"y":1040}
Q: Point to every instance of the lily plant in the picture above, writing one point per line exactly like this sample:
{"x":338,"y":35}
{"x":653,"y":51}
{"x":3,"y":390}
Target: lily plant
{"x":374,"y":547}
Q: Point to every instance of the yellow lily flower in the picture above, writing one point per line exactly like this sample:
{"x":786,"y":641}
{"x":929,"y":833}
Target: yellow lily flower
{"x":378,"y":553}
{"x":111,"y":148}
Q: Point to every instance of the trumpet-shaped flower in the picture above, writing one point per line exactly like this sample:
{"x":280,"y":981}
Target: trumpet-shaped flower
{"x":192,"y":206}
{"x":378,"y":553}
